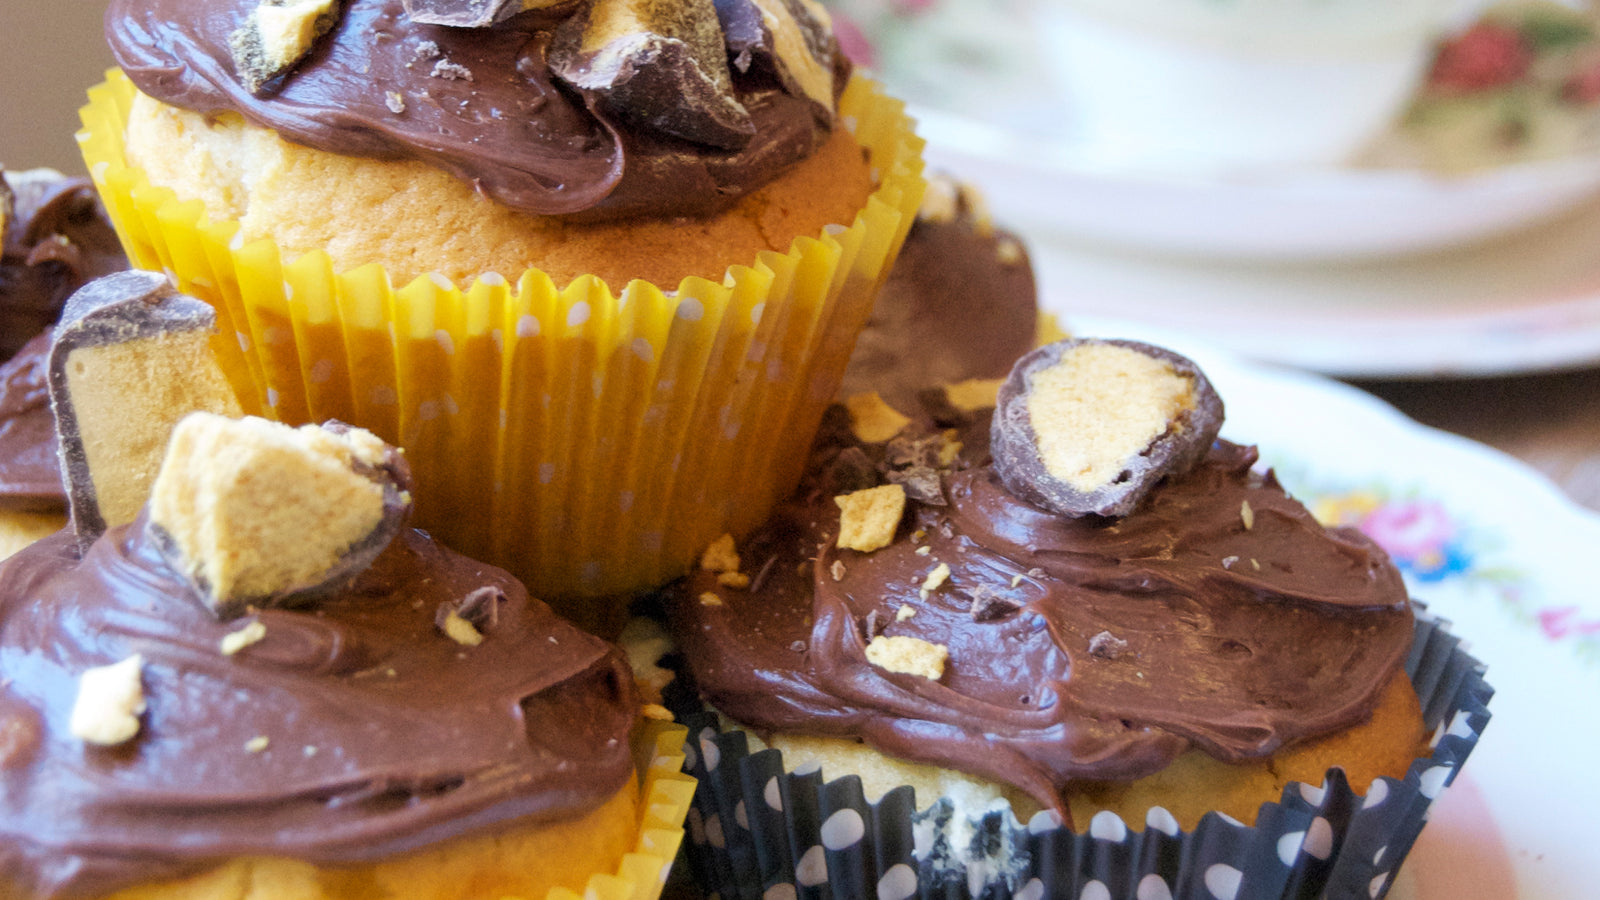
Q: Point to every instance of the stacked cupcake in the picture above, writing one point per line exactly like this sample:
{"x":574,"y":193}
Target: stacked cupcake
{"x":596,"y":264}
{"x":248,"y":677}
{"x":991,"y":633}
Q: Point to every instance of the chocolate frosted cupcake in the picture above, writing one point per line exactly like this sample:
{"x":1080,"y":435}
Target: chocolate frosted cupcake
{"x":263,"y":683}
{"x":589,"y":262}
{"x":1157,"y":635}
{"x":960,"y":303}
{"x":175,"y":722}
{"x":55,"y":238}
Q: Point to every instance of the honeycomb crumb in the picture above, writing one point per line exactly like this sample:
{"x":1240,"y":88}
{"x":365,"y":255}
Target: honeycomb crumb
{"x":868,"y":519}
{"x":904,"y":612}
{"x":110,"y":699}
{"x":234,"y":641}
{"x":872,"y":419}
{"x":1247,"y":515}
{"x":736,"y":580}
{"x":460,"y":630}
{"x":837,"y":570}
{"x":973,"y":394}
{"x":935,"y":579}
{"x":710,"y":598}
{"x":257,"y":744}
{"x":908,"y":656}
{"x":656,"y":711}
{"x":721,"y":556}
{"x":395,"y":101}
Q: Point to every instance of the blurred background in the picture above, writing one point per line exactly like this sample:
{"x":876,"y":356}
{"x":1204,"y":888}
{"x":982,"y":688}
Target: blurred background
{"x":51,"y":54}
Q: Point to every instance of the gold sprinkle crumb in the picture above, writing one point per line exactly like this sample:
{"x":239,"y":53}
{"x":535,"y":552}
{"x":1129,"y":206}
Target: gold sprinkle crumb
{"x":939,"y":575}
{"x":234,"y":641}
{"x":709,"y":598}
{"x":924,"y":550}
{"x":395,"y":101}
{"x":837,"y":570}
{"x":869,"y":518}
{"x":460,"y":630}
{"x":908,"y":655}
{"x":256,"y":744}
{"x":656,"y":711}
{"x":1009,"y":252}
{"x":1248,"y":515}
{"x":736,"y":580}
{"x":720,"y":556}
{"x":1016,"y":579}
{"x":920,"y":535}
{"x":1255,"y":565}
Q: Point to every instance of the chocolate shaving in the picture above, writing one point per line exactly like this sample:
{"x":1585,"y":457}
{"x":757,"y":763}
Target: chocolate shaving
{"x":988,"y":605}
{"x":921,"y":483}
{"x":871,"y":627}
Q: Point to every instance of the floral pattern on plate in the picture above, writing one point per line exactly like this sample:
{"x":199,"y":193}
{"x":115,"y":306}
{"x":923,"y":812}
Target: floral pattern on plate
{"x":1432,"y":545}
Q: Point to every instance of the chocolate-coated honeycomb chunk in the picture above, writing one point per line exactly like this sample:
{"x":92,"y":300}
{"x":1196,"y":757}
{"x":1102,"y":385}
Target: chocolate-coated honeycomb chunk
{"x":276,"y":35}
{"x":471,"y":13}
{"x":662,"y":64}
{"x":1092,"y":426}
{"x":255,"y":513}
{"x":130,"y":357}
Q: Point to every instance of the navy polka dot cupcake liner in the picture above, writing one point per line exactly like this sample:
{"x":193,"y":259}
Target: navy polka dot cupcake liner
{"x":761,"y":832}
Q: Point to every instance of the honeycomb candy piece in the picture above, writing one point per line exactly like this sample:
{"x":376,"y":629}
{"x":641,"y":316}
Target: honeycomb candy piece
{"x":660,"y":63}
{"x":257,"y":514}
{"x":1092,"y":426}
{"x":130,"y":357}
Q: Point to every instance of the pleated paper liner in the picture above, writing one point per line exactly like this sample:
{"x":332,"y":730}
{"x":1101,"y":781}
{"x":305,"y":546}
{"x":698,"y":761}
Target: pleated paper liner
{"x":591,"y":442}
{"x":759,"y":831}
{"x":665,"y":796}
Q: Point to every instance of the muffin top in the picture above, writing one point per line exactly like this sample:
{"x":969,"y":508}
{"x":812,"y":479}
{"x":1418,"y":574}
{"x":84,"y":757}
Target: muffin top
{"x":906,"y":596}
{"x":585,"y":108}
{"x":164,"y":707}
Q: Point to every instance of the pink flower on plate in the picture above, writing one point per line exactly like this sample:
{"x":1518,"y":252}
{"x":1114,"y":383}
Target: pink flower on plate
{"x":853,"y":41}
{"x":1410,"y":528}
{"x":1560,"y":622}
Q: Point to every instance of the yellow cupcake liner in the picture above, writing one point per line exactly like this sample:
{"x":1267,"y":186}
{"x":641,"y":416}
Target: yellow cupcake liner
{"x":591,"y":442}
{"x":665,"y":794}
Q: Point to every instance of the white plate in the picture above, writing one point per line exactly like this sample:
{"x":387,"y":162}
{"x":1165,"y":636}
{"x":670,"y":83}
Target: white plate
{"x":1495,"y":548}
{"x":1527,"y":302}
{"x":1284,"y":214}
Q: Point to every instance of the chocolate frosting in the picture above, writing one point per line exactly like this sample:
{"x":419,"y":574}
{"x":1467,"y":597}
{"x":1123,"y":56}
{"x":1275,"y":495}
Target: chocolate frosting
{"x":383,"y":734}
{"x":959,"y":303}
{"x":57,"y":240}
{"x":1078,"y":648}
{"x":492,"y":114}
{"x":30,"y":472}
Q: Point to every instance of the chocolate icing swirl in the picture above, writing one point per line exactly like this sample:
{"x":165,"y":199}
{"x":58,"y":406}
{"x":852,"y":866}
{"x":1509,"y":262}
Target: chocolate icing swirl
{"x":384,"y":735}
{"x":30,"y":473}
{"x":56,"y":240}
{"x":494,"y":115}
{"x":1078,"y":648}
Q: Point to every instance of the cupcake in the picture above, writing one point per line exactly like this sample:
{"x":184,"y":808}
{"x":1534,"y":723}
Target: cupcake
{"x":960,"y":303}
{"x":1010,"y":633}
{"x":596,"y":265}
{"x":267,"y":684}
{"x":55,"y":237}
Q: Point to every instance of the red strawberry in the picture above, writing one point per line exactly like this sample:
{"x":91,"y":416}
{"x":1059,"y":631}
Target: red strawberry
{"x":1484,"y":56}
